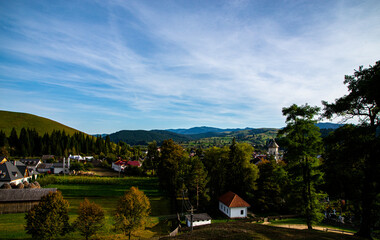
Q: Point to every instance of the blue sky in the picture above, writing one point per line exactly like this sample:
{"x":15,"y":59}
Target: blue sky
{"x":103,"y":66}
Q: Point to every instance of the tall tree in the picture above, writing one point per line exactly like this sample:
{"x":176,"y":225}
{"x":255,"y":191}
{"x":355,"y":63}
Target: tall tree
{"x":13,"y":142}
{"x":363,"y":103}
{"x":152,"y":158}
{"x":271,"y":184}
{"x":215,"y":162}
{"x":303,"y":144}
{"x":172,"y":155}
{"x":196,"y":180}
{"x":49,"y":218}
{"x":132,"y":211}
{"x":241,"y":174}
{"x":90,"y":218}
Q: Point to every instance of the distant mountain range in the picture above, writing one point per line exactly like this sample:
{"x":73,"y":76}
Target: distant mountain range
{"x":204,"y":129}
{"x":329,"y":125}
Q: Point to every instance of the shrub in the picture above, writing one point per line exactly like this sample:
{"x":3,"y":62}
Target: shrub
{"x":6,"y":186}
{"x":20,"y":186}
{"x":26,"y":184}
{"x":49,"y":218}
{"x":13,"y":185}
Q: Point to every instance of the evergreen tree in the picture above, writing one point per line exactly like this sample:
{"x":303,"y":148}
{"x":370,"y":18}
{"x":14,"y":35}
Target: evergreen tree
{"x":303,"y":145}
{"x":363,"y":103}
{"x":241,"y":174}
{"x":13,"y":142}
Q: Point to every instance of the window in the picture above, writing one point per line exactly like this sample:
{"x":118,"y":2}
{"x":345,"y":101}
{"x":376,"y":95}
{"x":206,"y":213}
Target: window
{"x":242,"y":212}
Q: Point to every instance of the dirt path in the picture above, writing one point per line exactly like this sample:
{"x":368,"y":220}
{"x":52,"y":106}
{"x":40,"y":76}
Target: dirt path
{"x":304,"y":226}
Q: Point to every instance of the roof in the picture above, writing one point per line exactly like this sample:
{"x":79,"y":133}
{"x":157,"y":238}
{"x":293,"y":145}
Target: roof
{"x":30,"y":162}
{"x":2,"y":159}
{"x":231,"y":199}
{"x":199,"y":217}
{"x":45,"y":165}
{"x":134,"y":163}
{"x":273,"y":144}
{"x":21,"y":195}
{"x":9,"y":172}
{"x":120,"y":162}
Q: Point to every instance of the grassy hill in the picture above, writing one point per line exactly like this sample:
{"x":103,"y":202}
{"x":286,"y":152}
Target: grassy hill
{"x":241,"y":230}
{"x":9,"y":120}
{"x":142,"y":137}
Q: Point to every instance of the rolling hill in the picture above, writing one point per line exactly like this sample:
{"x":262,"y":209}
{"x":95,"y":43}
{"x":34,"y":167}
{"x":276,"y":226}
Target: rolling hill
{"x":9,"y":120}
{"x":142,"y":137}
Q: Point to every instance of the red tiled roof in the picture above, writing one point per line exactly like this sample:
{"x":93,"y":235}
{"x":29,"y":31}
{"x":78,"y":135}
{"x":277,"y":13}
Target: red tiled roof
{"x":134,"y":163}
{"x":231,"y":199}
{"x":120,"y":162}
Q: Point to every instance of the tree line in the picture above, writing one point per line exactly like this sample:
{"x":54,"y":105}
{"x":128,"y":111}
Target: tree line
{"x":29,"y":143}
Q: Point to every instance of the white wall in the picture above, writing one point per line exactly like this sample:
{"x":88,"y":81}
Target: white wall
{"x":198,"y":223}
{"x":233,"y":212}
{"x":237,"y":212}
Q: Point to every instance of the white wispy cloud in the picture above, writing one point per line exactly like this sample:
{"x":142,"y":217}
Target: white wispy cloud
{"x":236,"y":64}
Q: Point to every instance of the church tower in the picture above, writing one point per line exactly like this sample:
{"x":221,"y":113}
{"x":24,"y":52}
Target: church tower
{"x":273,"y":149}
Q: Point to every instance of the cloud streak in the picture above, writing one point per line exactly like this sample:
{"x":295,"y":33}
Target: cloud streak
{"x":175,"y":64}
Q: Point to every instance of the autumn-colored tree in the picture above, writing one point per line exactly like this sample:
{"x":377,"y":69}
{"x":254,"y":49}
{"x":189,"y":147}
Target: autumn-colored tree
{"x":49,"y":218}
{"x":90,"y":219}
{"x":132,"y":211}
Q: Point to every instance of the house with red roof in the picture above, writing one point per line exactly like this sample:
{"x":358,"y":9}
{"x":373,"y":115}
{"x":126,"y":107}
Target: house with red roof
{"x":233,"y":206}
{"x":121,"y":165}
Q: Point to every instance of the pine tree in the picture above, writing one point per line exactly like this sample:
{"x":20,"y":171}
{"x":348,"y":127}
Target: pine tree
{"x":303,"y":144}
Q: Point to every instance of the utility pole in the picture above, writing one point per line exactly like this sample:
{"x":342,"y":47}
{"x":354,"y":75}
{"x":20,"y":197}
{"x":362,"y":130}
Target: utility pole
{"x":191,"y":217}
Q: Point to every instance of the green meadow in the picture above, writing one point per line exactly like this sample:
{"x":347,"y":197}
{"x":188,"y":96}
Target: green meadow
{"x":104,"y":191}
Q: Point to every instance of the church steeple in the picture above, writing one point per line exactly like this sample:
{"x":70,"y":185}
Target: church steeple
{"x":273,"y":149}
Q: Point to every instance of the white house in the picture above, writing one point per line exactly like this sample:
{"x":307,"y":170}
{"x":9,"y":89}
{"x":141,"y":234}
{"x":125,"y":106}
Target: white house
{"x":76,"y":157}
{"x":13,"y":173}
{"x":233,"y":206}
{"x":198,"y":219}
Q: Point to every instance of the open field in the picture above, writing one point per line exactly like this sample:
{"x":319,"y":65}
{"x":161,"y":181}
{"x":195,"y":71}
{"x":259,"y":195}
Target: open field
{"x":105,"y":192}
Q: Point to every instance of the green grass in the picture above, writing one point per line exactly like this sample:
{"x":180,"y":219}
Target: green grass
{"x":8,"y":120}
{"x":106,"y":195}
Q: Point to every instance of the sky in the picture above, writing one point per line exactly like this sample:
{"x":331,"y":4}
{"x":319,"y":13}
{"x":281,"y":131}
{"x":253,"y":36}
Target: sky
{"x":104,"y":66}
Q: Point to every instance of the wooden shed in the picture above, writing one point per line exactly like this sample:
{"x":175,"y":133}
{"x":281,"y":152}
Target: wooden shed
{"x":21,"y":200}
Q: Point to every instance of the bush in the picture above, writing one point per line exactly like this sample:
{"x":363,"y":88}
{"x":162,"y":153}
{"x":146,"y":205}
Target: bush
{"x":49,"y":218}
{"x":6,"y":186}
{"x":26,"y":184}
{"x":13,"y":185}
{"x":20,"y":186}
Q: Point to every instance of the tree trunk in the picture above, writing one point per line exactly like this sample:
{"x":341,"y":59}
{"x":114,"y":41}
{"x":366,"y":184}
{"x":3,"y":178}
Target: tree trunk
{"x":368,"y":195}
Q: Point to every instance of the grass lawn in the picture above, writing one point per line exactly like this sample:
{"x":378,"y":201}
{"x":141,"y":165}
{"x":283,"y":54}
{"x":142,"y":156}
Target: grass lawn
{"x":106,"y":195}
